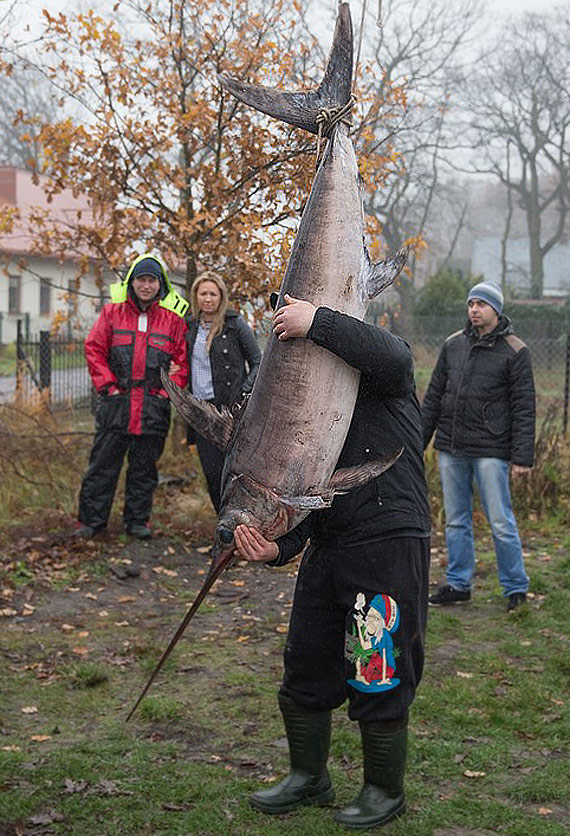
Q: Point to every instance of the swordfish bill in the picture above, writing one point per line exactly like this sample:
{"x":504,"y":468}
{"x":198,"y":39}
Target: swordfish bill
{"x":283,"y":444}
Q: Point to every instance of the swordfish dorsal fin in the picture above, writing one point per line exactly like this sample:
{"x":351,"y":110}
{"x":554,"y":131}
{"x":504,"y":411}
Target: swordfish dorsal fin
{"x":382,"y":274}
{"x":302,"y":109}
{"x":214,"y":425}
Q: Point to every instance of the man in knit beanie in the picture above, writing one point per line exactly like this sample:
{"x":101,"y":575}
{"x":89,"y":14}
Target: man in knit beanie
{"x":480,"y":403}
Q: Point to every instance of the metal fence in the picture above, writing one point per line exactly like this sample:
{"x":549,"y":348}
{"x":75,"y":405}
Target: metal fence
{"x":52,"y":370}
{"x":55,"y":370}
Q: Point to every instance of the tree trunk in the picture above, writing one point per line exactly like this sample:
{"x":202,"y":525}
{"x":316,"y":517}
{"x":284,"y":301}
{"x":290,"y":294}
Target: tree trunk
{"x":533,"y":226}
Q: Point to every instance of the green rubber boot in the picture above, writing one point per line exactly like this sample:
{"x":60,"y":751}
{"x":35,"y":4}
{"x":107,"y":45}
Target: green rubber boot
{"x":382,"y":796}
{"x":308,"y":733}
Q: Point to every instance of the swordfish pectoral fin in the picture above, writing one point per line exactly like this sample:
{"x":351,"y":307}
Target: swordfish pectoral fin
{"x":341,"y":482}
{"x":302,"y":109}
{"x":215,"y":426}
{"x":354,"y":477}
{"x":384,"y":273}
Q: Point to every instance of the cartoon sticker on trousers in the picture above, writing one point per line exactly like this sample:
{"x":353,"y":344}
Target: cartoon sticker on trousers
{"x":370,"y":645}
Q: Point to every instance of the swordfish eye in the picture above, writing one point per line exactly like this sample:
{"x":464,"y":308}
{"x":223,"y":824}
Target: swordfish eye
{"x":226,"y":535}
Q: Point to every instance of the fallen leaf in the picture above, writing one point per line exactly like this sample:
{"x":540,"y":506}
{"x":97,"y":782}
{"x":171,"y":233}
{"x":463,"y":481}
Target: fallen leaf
{"x":464,"y":675}
{"x":122,"y":624}
{"x":75,"y":786}
{"x":281,"y":628}
{"x":237,"y":583}
{"x":91,"y":596}
{"x":83,"y":634}
{"x":544,"y":811}
{"x":40,"y":738}
{"x":81,"y":651}
{"x":162,"y":570}
{"x":67,"y":628}
{"x":204,"y":549}
{"x":470,"y":774}
{"x":243,"y":638}
{"x":12,"y":748}
{"x":30,"y":709}
{"x":125,"y":599}
{"x":103,"y":613}
{"x":8,"y":612}
{"x":48,"y":817}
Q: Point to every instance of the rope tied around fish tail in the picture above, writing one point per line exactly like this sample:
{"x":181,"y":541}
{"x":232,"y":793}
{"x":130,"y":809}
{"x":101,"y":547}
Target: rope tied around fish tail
{"x":327,"y":118}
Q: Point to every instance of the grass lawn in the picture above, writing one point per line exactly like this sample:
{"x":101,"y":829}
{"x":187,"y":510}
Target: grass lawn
{"x":489,"y":729}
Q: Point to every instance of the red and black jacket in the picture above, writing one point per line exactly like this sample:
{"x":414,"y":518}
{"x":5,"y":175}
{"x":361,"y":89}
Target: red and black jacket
{"x":122,"y":355}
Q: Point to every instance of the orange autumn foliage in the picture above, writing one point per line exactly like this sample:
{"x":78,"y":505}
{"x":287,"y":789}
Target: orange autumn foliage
{"x":170,"y":161}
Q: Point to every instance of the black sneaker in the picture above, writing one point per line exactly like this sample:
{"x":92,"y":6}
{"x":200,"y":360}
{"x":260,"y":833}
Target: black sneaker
{"x":515,"y":600}
{"x":448,"y":595}
{"x":83,"y":531}
{"x":140,"y":530}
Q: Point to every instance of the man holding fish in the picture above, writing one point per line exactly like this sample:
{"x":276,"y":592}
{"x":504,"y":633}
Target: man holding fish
{"x":359,"y":611}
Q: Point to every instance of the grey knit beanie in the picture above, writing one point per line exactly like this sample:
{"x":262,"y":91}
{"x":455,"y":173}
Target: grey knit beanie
{"x":488,"y":292}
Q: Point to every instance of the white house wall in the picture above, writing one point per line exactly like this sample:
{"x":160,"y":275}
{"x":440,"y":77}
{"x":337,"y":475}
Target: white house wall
{"x":59,"y":276}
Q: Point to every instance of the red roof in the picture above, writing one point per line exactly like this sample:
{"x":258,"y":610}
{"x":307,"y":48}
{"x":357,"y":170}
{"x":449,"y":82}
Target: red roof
{"x":17,"y":189}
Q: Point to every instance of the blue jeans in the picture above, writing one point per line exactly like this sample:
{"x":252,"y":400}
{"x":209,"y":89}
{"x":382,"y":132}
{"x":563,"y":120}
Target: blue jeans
{"x":492,"y":478}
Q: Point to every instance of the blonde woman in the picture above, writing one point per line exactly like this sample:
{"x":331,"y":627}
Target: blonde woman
{"x":224,"y":358}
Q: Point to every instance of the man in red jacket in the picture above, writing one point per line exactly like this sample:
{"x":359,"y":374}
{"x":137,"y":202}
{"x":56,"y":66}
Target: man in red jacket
{"x":139,"y":333}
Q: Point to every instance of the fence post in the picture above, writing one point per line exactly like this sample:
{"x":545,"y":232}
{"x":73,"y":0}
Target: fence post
{"x":45,"y":360}
{"x":566,"y":385}
{"x":19,"y":360}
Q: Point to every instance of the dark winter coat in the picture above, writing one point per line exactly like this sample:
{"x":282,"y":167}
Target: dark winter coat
{"x":234,"y":358}
{"x":119,"y":355}
{"x":480,"y":400}
{"x":386,"y":417}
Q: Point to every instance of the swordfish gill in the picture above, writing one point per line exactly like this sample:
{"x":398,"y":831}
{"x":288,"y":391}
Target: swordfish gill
{"x":283,"y":444}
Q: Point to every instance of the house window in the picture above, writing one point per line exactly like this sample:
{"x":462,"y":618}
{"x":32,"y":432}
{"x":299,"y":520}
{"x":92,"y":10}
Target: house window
{"x":14,"y":294}
{"x":45,"y":297}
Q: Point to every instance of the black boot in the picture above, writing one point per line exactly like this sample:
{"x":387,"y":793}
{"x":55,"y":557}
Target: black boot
{"x":382,"y":796}
{"x":308,"y":734}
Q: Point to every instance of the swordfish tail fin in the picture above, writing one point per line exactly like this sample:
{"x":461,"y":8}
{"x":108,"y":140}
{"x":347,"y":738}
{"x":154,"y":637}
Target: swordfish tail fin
{"x":302,"y":109}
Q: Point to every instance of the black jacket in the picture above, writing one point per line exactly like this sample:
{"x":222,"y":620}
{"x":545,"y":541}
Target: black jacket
{"x":229,"y":353}
{"x":480,"y":399}
{"x":386,"y":417}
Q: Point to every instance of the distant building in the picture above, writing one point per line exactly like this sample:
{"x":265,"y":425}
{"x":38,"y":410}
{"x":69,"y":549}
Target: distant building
{"x":486,"y":261}
{"x":35,"y":287}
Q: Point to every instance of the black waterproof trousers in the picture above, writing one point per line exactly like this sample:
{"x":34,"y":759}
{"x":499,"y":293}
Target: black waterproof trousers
{"x":357,"y":628}
{"x":212,"y":461}
{"x":100,"y":481}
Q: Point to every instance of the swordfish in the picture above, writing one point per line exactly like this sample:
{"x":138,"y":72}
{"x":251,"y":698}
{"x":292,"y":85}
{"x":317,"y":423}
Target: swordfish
{"x":283,"y":444}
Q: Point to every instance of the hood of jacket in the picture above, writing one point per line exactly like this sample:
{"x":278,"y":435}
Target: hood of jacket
{"x":167,"y":296}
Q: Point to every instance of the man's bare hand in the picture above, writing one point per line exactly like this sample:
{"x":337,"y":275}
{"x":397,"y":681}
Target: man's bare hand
{"x":519,"y":470}
{"x":293,"y":319}
{"x":251,"y":545}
